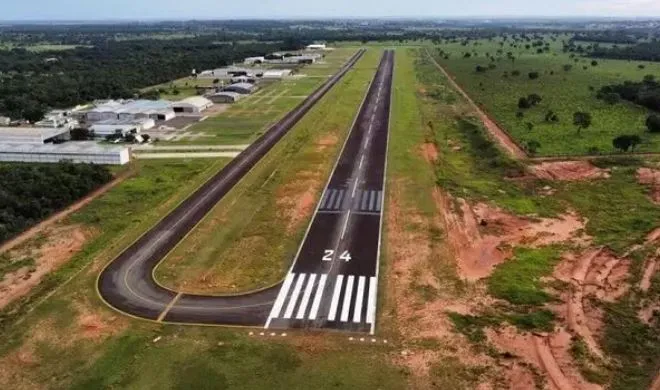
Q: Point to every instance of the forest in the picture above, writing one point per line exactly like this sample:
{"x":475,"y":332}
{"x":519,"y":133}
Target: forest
{"x":645,"y":93}
{"x":31,"y":192}
{"x":644,"y":51}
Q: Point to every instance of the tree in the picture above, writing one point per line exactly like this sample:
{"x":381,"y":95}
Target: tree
{"x":533,"y":75}
{"x":523,"y":103}
{"x":79,"y":134}
{"x":612,"y":98}
{"x":534,"y":99}
{"x":568,"y":67}
{"x":582,"y":120}
{"x":625,"y":142}
{"x":480,"y":69}
{"x":653,"y":123}
{"x":550,"y":116}
{"x":532,"y":146}
{"x":515,"y":73}
{"x":594,"y":63}
{"x":529,"y":125}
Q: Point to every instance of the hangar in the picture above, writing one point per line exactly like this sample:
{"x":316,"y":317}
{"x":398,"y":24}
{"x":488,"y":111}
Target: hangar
{"x":77,"y":152}
{"x":193,"y":104}
{"x":224,"y":97}
{"x":242,"y":88}
{"x":32,"y":135}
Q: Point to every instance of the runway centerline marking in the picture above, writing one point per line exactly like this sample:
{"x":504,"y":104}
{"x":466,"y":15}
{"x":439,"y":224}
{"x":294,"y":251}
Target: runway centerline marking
{"x":343,"y":231}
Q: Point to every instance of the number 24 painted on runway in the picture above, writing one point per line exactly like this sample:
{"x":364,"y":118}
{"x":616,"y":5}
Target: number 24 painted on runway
{"x":329,"y":252}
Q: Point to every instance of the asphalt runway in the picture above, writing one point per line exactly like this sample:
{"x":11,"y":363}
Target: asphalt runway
{"x":333,"y":282}
{"x":127,"y":283}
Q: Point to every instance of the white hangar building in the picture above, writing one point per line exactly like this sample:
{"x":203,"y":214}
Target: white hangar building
{"x":193,"y":104}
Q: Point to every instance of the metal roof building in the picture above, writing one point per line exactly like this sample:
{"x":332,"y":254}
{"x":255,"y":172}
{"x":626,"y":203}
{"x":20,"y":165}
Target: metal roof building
{"x":77,"y":152}
{"x":276,"y":73}
{"x":193,"y":104}
{"x":224,"y":97}
{"x":132,"y":109}
{"x":242,"y":88}
{"x":125,"y":126}
{"x":31,"y":135}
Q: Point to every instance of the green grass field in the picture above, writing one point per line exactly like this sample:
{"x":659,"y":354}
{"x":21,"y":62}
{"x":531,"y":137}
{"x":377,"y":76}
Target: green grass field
{"x":563,"y":92}
{"x":249,"y":239}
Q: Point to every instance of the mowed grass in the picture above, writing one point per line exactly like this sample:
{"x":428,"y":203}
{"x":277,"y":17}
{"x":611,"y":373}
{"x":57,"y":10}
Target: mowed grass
{"x":249,"y":239}
{"x":563,"y":92}
{"x":247,"y":119}
{"x":73,"y":341}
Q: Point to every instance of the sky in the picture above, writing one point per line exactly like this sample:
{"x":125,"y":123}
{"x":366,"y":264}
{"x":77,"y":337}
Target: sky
{"x":277,"y":9}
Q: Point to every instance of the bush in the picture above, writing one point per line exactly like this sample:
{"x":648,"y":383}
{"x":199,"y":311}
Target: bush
{"x":568,"y":67}
{"x":612,"y":98}
{"x":480,"y":69}
{"x":533,"y":75}
{"x":594,"y":63}
{"x":515,"y":73}
{"x":523,"y":103}
{"x":625,"y":142}
{"x":653,"y":123}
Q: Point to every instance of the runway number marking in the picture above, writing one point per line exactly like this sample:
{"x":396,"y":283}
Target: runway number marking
{"x":328,"y":254}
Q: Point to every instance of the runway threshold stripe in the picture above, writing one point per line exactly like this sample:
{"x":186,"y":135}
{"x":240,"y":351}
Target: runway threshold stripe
{"x":365,"y":199}
{"x":332,"y":314}
{"x":357,"y":311}
{"x":339,"y":198}
{"x":305,"y":299}
{"x":348,"y":292}
{"x":317,"y":297}
{"x":372,"y":199}
{"x":294,"y":296}
{"x":325,"y":199}
{"x":379,"y":201}
{"x":279,"y":301}
{"x":328,"y":205}
{"x":371,"y":303}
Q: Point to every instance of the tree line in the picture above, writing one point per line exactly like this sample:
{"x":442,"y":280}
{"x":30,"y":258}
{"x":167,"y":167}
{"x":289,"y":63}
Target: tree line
{"x":645,"y":51}
{"x":31,"y":192}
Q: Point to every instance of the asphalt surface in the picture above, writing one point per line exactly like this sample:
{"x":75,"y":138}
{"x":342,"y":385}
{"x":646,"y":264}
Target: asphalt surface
{"x":333,"y":282}
{"x":127,"y":283}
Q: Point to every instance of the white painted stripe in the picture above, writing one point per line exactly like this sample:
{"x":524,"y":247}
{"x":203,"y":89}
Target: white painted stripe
{"x":325,"y":198}
{"x":305,"y":299}
{"x":365,"y":198}
{"x":372,"y":199}
{"x":379,"y":200}
{"x":343,"y":230}
{"x":335,"y":298}
{"x":354,"y":189}
{"x":331,"y":199}
{"x":317,"y":297}
{"x":371,"y":302}
{"x":357,"y":314}
{"x":361,"y":161}
{"x":348,"y":291}
{"x":279,"y":301}
{"x":294,"y":296}
{"x":339,"y":199}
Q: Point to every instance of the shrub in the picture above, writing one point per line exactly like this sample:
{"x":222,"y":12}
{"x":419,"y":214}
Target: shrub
{"x":612,"y":98}
{"x":568,"y":67}
{"x":515,"y":73}
{"x":480,"y":69}
{"x":533,"y":75}
{"x":653,"y":123}
{"x":523,"y":103}
{"x":594,"y":63}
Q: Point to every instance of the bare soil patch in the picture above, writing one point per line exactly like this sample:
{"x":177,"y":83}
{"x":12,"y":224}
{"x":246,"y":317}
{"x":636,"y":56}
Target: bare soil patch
{"x":327,"y":140}
{"x":295,"y":200}
{"x":482,"y":236}
{"x":568,"y":171}
{"x":651,"y":178}
{"x":61,"y":243}
{"x":430,"y":152}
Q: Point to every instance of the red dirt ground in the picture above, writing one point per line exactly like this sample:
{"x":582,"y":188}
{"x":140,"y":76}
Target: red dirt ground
{"x":568,"y":170}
